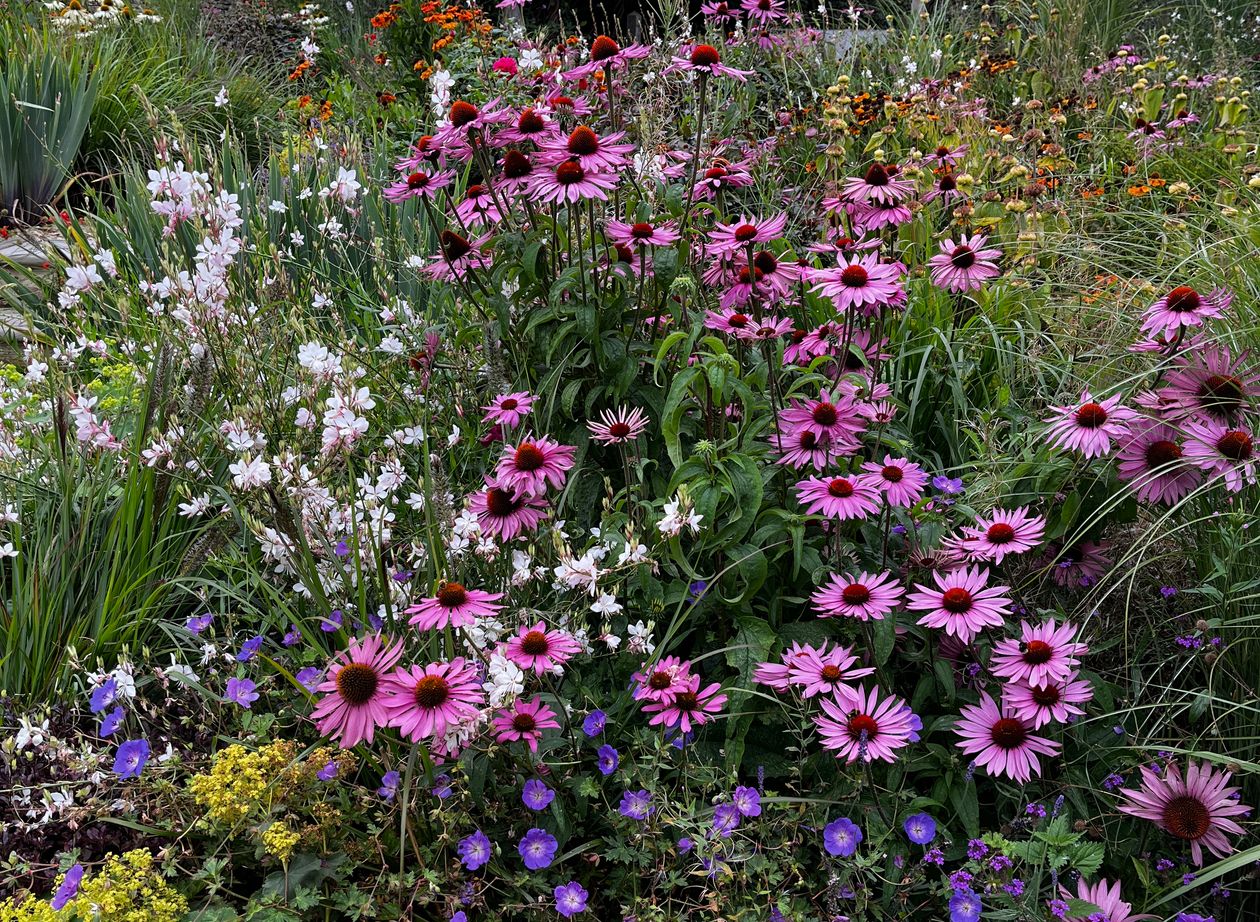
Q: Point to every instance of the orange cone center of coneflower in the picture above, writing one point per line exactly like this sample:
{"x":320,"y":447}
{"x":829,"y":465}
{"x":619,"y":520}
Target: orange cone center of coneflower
{"x":642,"y":231}
{"x":1008,"y":733}
{"x":1187,"y":817}
{"x":660,"y":680}
{"x":523,"y":723}
{"x":765,"y":262}
{"x":534,"y":643}
{"x":739,"y":321}
{"x":476,"y":190}
{"x":569,"y":173}
{"x":825,"y":414}
{"x":1046,"y":695}
{"x":854,"y":276}
{"x":462,"y":113}
{"x":1235,"y":445}
{"x":942,"y":152}
{"x":357,"y":683}
{"x":1183,"y":298}
{"x":583,"y":142}
{"x":454,"y":246}
{"x":892,"y":473}
{"x":1221,"y":393}
{"x":509,"y":403}
{"x":1036,"y":652}
{"x":516,"y":165}
{"x":452,"y":595}
{"x":715,"y":172}
{"x":1091,"y":416}
{"x":624,"y":253}
{"x":962,"y":257}
{"x":686,"y":701}
{"x":603,"y":48}
{"x":417,"y":180}
{"x":705,"y":56}
{"x":807,"y":439}
{"x":1162,"y":453}
{"x":831,"y":673}
{"x":840,"y":488}
{"x":530,"y":122}
{"x":619,"y":429}
{"x":856,"y":594}
{"x":763,"y":4}
{"x":561,"y":102}
{"x":1000,"y":533}
{"x":876,"y":175}
{"x":528,"y":457}
{"x":863,"y":723}
{"x":947,"y":183}
{"x":432,"y":691}
{"x":956,"y":600}
{"x":745,"y":232}
{"x":500,"y":502}
{"x":746,"y":277}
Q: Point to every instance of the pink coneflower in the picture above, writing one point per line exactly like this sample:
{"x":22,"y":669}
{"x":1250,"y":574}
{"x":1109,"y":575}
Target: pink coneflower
{"x":457,"y":257}
{"x":1089,"y":426}
{"x":422,"y":154}
{"x":1045,"y":653}
{"x":1054,"y":701}
{"x":509,"y":409}
{"x":568,"y":107}
{"x":963,"y":602}
{"x":834,"y":416}
{"x":775,"y":675}
{"x":866,"y":597}
{"x":838,"y":497}
{"x":818,"y":670}
{"x":966,"y":265}
{"x":355,"y":689}
{"x":464,"y":119}
{"x":863,"y":281}
{"x":1106,"y":897}
{"x":764,"y":11}
{"x":502,"y":513}
{"x":719,"y":11}
{"x":516,"y":173}
{"x":688,"y":707}
{"x":569,"y":182}
{"x":607,"y":55}
{"x":1152,"y":457}
{"x":1197,"y":808}
{"x":948,"y":156}
{"x":1001,"y":741}
{"x":424,"y":701}
{"x":878,"y":215}
{"x":478,"y":207}
{"x":706,"y":61}
{"x":662,"y":680}
{"x":587,"y":149}
{"x":859,"y":725}
{"x":945,"y":188}
{"x":617,"y":428}
{"x":524,"y":720}
{"x":1184,"y":307}
{"x":643,"y":234}
{"x":1002,"y":532}
{"x":530,"y":466}
{"x":419,"y":184}
{"x":799,"y":448}
{"x":1208,"y":379}
{"x":725,"y":239}
{"x":453,"y":606}
{"x":532,"y":126}
{"x":1082,"y":564}
{"x":1223,"y":451}
{"x":719,"y":177}
{"x":732,"y":321}
{"x":900,"y":481}
{"x":878,"y":184}
{"x":541,"y":649}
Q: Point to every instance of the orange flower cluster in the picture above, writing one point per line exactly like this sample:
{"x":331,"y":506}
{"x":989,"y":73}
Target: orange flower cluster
{"x":386,"y":18}
{"x":454,"y":20}
{"x":300,"y":71}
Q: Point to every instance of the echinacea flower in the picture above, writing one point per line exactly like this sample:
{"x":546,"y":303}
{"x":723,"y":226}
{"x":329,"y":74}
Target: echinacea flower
{"x":1184,"y":307}
{"x":688,"y":707}
{"x":569,"y":183}
{"x":1152,"y":458}
{"x":901,"y":481}
{"x":1003,"y":532}
{"x":1209,"y":379}
{"x":737,"y":236}
{"x":355,"y":689}
{"x":418,"y":184}
{"x":457,"y":257}
{"x":1001,"y":741}
{"x":616,"y":428}
{"x":1106,"y":897}
{"x":1045,"y":653}
{"x":866,"y":596}
{"x":799,"y":448}
{"x":541,"y":649}
{"x":880,"y":183}
{"x":966,"y":265}
{"x":587,"y":149}
{"x":502,"y":513}
{"x":706,"y":61}
{"x":607,"y":55}
{"x":509,"y":409}
{"x":1051,"y":701}
{"x":643,"y":233}
{"x":454,"y":606}
{"x":962,"y":602}
{"x":1082,"y":564}
{"x":818,"y":670}
{"x":424,"y":701}
{"x":834,"y":416}
{"x":1196,"y":808}
{"x":662,"y":680}
{"x":524,"y":720}
{"x":1089,"y":426}
{"x":861,"y":725}
{"x":863,"y":281}
{"x":530,"y":466}
{"x":838,"y":497}
{"x":1223,"y":451}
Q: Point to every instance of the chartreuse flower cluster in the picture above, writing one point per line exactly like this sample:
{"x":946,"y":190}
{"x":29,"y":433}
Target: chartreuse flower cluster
{"x":126,"y":889}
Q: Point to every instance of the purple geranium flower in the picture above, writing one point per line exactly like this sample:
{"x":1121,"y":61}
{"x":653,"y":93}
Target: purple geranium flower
{"x":536,"y":795}
{"x":537,"y":848}
{"x":249,"y":649}
{"x":328,"y":772}
{"x":636,"y":804}
{"x":310,"y":678}
{"x":68,"y":888}
{"x":965,"y":906}
{"x":131,"y":757}
{"x":920,"y":828}
{"x":103,"y":695}
{"x":841,"y":837}
{"x":608,"y":759}
{"x":110,"y":723}
{"x":389,"y":785}
{"x":241,"y":691}
{"x":474,"y":850}
{"x":293,"y":637}
{"x":726,"y":819}
{"x":198,"y":623}
{"x":747,"y":801}
{"x":594,"y":723}
{"x":570,"y":899}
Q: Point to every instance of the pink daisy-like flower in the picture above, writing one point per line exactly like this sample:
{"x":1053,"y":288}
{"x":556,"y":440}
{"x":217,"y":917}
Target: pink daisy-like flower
{"x":1045,"y":653}
{"x":617,"y":428}
{"x":570,"y":182}
{"x":963,"y":602}
{"x":1082,"y":564}
{"x":453,"y":606}
{"x":530,"y":466}
{"x":1223,"y":451}
{"x":1001,"y":741}
{"x":1208,"y":379}
{"x":719,"y":177}
{"x":838,"y":497}
{"x":775,"y":675}
{"x":643,"y":234}
{"x":532,"y":126}
{"x":1089,"y":426}
{"x":1049,"y":702}
{"x":502,"y":513}
{"x":457,"y":256}
{"x":948,"y":156}
{"x":876,"y":216}
{"x":516,"y":173}
{"x":966,"y":265}
{"x":465,"y":119}
{"x":478,"y":207}
{"x":1184,"y":307}
{"x":731,"y":321}
{"x":509,"y":409}
{"x":662,"y":680}
{"x":804,"y":448}
{"x":880,"y":183}
{"x":725,"y":239}
{"x":688,"y":707}
{"x":823,"y":671}
{"x":1196,"y":809}
{"x":831,"y":416}
{"x":944,"y":188}
{"x":607,"y":55}
{"x":706,"y":61}
{"x":866,"y":597}
{"x":424,"y":701}
{"x":1153,"y":460}
{"x":587,"y":149}
{"x":1002,"y":532}
{"x":524,"y":720}
{"x":419,"y":184}
{"x":541,"y":649}
{"x":859,"y":725}
{"x":864,"y":281}
{"x":355,"y":690}
{"x":1107,"y":898}
{"x":900,"y":481}
{"x":764,"y":11}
